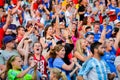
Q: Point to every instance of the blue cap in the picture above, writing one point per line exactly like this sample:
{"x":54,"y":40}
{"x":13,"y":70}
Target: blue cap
{"x":12,"y":26}
{"x":88,"y":33}
{"x":40,"y":10}
{"x":7,"y":39}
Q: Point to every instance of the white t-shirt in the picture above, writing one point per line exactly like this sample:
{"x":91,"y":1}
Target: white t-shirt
{"x":67,"y":14}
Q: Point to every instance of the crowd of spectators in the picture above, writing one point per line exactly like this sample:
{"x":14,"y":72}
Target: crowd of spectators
{"x":60,"y":39}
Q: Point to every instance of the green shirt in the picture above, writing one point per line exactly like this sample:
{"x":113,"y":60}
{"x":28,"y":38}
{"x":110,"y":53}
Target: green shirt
{"x":12,"y":75}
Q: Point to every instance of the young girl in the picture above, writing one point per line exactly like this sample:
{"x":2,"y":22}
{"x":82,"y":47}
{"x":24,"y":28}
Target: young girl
{"x":13,"y":69}
{"x":56,"y":74}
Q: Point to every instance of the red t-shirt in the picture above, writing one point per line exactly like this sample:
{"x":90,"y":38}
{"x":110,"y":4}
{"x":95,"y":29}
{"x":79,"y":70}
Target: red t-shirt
{"x":42,"y":64}
{"x":2,"y":32}
{"x":2,"y":2}
{"x":75,"y":1}
{"x":118,"y":52}
{"x":15,"y":2}
{"x":35,"y":6}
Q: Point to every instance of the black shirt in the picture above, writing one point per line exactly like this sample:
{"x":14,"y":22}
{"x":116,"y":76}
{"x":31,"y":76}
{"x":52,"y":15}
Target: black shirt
{"x":81,"y":9}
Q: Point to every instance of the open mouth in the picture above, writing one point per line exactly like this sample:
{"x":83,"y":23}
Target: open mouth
{"x":37,"y":49}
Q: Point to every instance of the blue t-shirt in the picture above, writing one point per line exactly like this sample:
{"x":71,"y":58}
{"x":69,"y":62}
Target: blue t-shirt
{"x":58,"y":63}
{"x":109,"y":57}
{"x":108,"y":27}
{"x":111,"y":7}
{"x":97,"y":36}
{"x":50,"y":62}
{"x":117,"y":10}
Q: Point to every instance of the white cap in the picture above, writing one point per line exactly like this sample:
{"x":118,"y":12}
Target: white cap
{"x":116,"y":21}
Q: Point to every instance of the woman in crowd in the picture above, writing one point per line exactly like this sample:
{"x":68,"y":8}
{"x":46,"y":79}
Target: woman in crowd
{"x":58,"y":53}
{"x":82,"y":53}
{"x":48,"y":40}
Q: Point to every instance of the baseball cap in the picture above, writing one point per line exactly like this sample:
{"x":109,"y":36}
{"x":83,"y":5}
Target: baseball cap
{"x":88,"y":33}
{"x":116,"y":21}
{"x":7,"y":39}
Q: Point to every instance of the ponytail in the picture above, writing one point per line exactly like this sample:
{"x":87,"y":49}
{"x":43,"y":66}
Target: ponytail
{"x":58,"y":74}
{"x":63,"y":76}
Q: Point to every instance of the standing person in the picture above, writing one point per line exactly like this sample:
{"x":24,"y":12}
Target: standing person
{"x":41,"y":62}
{"x":20,"y":33}
{"x":68,"y":14}
{"x":58,"y":53}
{"x":4,"y":28}
{"x":9,"y":50}
{"x":117,"y":11}
{"x":82,"y":53}
{"x":96,"y":10}
{"x":96,"y":66}
{"x":82,"y":9}
{"x":47,"y":40}
{"x":111,"y":12}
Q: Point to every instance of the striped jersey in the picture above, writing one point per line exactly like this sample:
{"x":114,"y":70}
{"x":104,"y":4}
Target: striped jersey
{"x":94,"y":69}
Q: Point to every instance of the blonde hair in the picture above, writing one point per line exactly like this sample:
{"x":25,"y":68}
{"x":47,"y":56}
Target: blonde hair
{"x":59,"y":74}
{"x":78,"y":46}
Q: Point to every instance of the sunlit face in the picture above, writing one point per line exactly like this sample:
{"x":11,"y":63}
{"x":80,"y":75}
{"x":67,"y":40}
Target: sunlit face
{"x":89,"y":19}
{"x":96,"y":27}
{"x":50,"y":31}
{"x":108,"y":45}
{"x":101,"y":50}
{"x":113,"y":2}
{"x":21,"y":31}
{"x":90,"y":39}
{"x":37,"y":48}
{"x":17,"y":63}
{"x":61,"y":53}
{"x":97,"y":3}
{"x":73,"y":27}
{"x":84,"y":44}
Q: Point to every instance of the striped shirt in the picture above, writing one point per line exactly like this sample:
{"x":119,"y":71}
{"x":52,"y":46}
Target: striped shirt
{"x":94,"y":69}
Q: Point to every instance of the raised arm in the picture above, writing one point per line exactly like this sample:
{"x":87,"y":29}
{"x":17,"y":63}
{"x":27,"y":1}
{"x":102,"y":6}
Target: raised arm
{"x":31,"y":9}
{"x":117,"y":40}
{"x":21,"y":47}
{"x":14,"y":10}
{"x":103,"y":35}
{"x":7,"y":21}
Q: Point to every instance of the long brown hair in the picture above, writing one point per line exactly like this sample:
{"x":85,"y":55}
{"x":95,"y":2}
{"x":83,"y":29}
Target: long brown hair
{"x":53,"y":51}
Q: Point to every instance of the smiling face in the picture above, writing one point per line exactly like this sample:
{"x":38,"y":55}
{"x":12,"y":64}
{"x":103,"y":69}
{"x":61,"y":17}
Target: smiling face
{"x":83,"y":44}
{"x":61,"y":53}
